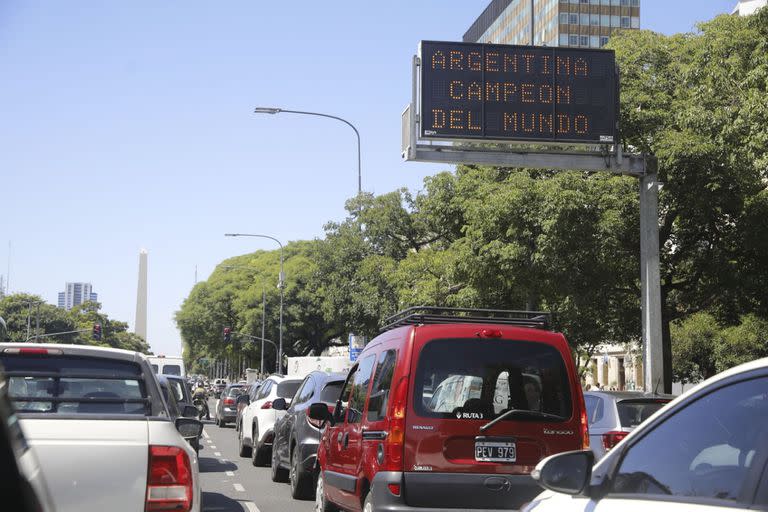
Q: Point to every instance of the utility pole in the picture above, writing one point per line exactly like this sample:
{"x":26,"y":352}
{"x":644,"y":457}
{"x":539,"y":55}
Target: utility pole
{"x":263,"y":323}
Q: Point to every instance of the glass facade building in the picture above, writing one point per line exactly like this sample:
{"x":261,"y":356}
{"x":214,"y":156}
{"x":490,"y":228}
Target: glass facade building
{"x":75,"y":294}
{"x":571,"y":23}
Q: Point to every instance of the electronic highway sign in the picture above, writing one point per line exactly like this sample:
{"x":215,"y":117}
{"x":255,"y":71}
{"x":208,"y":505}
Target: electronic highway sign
{"x":517,"y":93}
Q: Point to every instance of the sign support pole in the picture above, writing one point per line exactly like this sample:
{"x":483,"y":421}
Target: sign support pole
{"x":653,"y":360}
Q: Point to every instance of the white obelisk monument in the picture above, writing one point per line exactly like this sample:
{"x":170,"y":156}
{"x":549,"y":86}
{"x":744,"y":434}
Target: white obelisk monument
{"x":141,"y":297}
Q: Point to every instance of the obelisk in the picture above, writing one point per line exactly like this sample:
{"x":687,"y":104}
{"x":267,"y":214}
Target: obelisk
{"x":141,"y":297}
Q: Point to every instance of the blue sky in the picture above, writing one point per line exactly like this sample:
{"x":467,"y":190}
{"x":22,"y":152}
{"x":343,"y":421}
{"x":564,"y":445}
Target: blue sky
{"x":128,"y":125}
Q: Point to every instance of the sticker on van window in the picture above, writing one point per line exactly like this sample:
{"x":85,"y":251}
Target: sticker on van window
{"x":461,"y":415}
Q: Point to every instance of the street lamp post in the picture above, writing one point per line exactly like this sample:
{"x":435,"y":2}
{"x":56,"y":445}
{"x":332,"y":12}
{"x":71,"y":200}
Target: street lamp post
{"x":274,"y":110}
{"x":280,"y":285}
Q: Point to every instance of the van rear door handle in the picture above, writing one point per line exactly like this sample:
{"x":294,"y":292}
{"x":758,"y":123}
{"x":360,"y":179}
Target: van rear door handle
{"x":346,"y":439}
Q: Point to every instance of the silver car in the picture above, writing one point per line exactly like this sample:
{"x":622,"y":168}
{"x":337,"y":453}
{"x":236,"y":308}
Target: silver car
{"x":612,"y":415}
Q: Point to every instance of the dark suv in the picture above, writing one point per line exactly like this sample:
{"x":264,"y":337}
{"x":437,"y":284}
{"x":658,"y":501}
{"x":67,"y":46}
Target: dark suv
{"x":297,"y":435}
{"x":450,"y":408}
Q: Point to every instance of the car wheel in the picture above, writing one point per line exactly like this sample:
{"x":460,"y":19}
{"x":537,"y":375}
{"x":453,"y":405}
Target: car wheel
{"x":278,"y":473}
{"x":258,"y":451}
{"x":222,"y":423}
{"x":245,"y":451}
{"x":301,"y":480}
{"x":321,"y":502}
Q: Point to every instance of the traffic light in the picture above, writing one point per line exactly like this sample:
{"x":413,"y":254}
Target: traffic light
{"x":227,"y":335}
{"x":97,"y":332}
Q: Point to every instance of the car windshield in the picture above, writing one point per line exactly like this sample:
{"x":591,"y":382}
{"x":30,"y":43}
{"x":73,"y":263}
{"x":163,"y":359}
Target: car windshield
{"x":482,"y":379}
{"x":75,"y":385}
{"x":288,"y":388}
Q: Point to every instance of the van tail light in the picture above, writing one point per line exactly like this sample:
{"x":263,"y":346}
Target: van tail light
{"x":394,"y":489}
{"x":395,"y":440}
{"x":267,"y":404}
{"x":29,"y":351}
{"x":611,"y":439}
{"x":584,"y":426}
{"x":229,"y":401}
{"x":169,"y":482}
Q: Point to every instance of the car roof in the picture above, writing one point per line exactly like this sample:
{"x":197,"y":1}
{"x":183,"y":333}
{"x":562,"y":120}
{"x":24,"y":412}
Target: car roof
{"x":82,"y":350}
{"x":627,"y":395}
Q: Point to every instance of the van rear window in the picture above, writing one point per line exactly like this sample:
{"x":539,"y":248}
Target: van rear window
{"x":484,"y":378}
{"x":75,"y":385}
{"x":172,"y":369}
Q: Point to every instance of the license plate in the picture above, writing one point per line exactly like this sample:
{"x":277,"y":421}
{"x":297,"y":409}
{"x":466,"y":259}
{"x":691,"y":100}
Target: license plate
{"x":495,"y":451}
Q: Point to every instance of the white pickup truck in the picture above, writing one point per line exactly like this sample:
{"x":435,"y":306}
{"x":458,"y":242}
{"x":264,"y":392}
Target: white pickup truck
{"x":97,"y":421}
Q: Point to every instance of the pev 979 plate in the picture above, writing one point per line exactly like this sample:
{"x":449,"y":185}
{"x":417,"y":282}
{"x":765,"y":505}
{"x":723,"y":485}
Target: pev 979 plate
{"x":495,"y":451}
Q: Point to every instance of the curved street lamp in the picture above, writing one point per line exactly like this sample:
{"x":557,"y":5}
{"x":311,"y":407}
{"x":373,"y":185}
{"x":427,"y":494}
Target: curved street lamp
{"x":275,"y":110}
{"x":280,"y":285}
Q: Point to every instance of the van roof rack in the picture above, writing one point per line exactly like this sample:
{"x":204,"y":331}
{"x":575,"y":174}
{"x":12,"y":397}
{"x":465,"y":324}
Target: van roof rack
{"x":437,"y":315}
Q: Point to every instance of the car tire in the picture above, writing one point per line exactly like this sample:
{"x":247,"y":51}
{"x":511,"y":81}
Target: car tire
{"x":299,"y":478}
{"x":258,"y":455}
{"x":222,"y":423}
{"x":321,"y":502}
{"x":245,"y":451}
{"x":278,"y":474}
{"x":368,"y":503}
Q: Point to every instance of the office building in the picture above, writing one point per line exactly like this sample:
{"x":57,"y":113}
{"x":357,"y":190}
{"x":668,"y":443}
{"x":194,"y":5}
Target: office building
{"x":75,"y":294}
{"x":747,"y":7}
{"x":569,"y":23}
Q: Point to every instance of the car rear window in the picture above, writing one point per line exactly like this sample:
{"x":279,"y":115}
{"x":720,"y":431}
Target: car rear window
{"x":172,"y":369}
{"x":331,"y":392}
{"x":483,"y":378}
{"x":634,"y":412}
{"x":236,"y":391}
{"x":288,"y":388}
{"x":75,"y":385}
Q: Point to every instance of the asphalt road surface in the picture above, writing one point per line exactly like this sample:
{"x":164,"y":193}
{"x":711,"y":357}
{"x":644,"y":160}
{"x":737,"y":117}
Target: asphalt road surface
{"x":231,"y":483}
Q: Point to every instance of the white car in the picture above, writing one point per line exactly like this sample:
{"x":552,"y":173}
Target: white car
{"x":707,"y":450}
{"x":96,"y":420}
{"x":257,"y":425}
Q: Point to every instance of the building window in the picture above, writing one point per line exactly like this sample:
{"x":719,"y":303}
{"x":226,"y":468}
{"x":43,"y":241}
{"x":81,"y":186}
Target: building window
{"x":563,"y":39}
{"x":635,"y":21}
{"x":615,"y":2}
{"x":573,"y":40}
{"x":594,"y":41}
{"x":635,"y":3}
{"x":564,"y":18}
{"x":605,"y":20}
{"x":625,"y":3}
{"x":584,"y":1}
{"x":615,"y":21}
{"x":584,"y":40}
{"x":573,"y":19}
{"x":625,"y":22}
{"x":594,"y":20}
{"x":574,"y":1}
{"x":603,"y":41}
{"x":594,"y":2}
{"x":584,"y":19}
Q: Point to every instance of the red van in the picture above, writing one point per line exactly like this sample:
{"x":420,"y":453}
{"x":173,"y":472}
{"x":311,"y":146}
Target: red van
{"x":450,"y":408}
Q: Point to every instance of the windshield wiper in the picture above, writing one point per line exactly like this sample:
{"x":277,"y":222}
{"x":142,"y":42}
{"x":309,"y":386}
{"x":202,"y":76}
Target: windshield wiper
{"x":521,"y":412}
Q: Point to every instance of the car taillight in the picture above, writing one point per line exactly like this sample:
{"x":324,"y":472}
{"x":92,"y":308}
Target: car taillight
{"x":267,"y":404}
{"x":611,"y":439}
{"x":584,"y":427}
{"x":394,"y":489}
{"x":229,"y":401}
{"x":169,"y":482}
{"x":394,"y":442}
{"x":29,"y":351}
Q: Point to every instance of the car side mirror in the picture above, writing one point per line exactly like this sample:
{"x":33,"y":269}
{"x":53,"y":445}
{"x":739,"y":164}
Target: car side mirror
{"x":189,"y":411}
{"x":320,"y":412}
{"x":279,"y":404}
{"x":567,"y":473}
{"x":244,"y":399}
{"x":189,"y":427}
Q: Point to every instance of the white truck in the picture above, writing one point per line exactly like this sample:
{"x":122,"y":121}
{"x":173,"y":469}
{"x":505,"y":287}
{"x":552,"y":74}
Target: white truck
{"x":97,"y":422}
{"x":302,"y":366}
{"x":168,"y":365}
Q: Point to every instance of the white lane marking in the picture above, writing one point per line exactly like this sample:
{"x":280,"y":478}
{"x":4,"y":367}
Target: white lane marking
{"x":230,"y":473}
{"x":217,"y":454}
{"x":250,"y":506}
{"x":238,"y":487}
{"x":213,"y":446}
{"x":205,"y":434}
{"x":224,"y":461}
{"x":208,"y":441}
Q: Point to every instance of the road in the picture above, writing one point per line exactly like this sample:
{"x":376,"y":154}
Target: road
{"x":232,"y":484}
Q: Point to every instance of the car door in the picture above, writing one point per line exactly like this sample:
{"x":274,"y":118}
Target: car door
{"x":335,"y":484}
{"x":287,"y":422}
{"x":248,"y":420}
{"x":707,"y":455}
{"x":350,"y":442}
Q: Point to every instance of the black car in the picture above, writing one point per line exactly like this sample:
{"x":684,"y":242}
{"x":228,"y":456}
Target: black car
{"x":297,"y":435}
{"x":226,"y":406}
{"x":179,"y":402}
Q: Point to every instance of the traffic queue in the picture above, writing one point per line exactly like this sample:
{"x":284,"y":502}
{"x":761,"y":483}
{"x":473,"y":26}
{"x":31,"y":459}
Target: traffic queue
{"x":445,"y":409}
